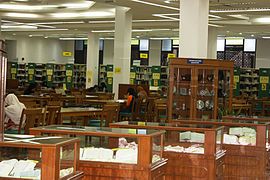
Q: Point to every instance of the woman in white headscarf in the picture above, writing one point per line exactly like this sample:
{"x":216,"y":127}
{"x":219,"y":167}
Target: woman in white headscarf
{"x":13,"y":111}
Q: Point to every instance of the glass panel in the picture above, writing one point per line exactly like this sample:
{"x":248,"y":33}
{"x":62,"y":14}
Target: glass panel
{"x":181,"y":93}
{"x":205,"y":94}
{"x":109,"y":149}
{"x":157,"y":148}
{"x":240,"y":136}
{"x":223,"y":92}
{"x":67,"y":156}
{"x":75,"y":129}
{"x":20,"y":162}
{"x":185,"y":142}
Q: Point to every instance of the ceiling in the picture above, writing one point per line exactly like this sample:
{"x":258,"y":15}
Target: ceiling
{"x":151,"y":18}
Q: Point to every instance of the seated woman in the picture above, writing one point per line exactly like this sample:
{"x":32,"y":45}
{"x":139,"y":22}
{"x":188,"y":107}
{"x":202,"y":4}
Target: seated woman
{"x":13,"y":110}
{"x":141,"y":93}
{"x":131,"y":95}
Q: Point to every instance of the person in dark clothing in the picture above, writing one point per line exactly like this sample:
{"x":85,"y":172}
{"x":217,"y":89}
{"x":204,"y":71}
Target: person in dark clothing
{"x":102,"y":87}
{"x":30,"y":89}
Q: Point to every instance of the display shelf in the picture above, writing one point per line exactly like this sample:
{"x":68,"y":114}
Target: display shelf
{"x":79,"y":76}
{"x":264,"y":85}
{"x":246,"y":145}
{"x":106,"y":76}
{"x":25,"y":156}
{"x":207,"y":82}
{"x":193,"y":152}
{"x":249,"y":82}
{"x":111,"y":153}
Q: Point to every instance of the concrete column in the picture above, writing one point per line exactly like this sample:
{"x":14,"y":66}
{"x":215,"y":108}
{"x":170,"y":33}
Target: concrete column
{"x":212,"y":43}
{"x":193,"y":28}
{"x":154,"y":52}
{"x":108,"y":52}
{"x":122,"y":48}
{"x":92,"y":60}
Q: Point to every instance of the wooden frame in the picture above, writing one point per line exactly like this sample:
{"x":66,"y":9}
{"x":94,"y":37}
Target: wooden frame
{"x":3,"y":72}
{"x":50,"y":160}
{"x":207,"y":166}
{"x":243,"y":161}
{"x":144,"y":169}
{"x":185,"y":73}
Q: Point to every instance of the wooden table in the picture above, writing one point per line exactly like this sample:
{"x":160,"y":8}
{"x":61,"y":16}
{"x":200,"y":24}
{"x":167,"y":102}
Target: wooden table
{"x":101,"y":102}
{"x":79,"y":112}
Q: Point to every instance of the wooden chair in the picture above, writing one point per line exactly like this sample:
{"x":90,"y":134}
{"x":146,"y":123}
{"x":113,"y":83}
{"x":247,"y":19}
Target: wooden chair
{"x":52,"y":115}
{"x":127,"y":116}
{"x":55,"y":103}
{"x":110,"y":113}
{"x":31,"y":117}
{"x":161,"y":110}
{"x":138,"y":114}
{"x":150,"y":111}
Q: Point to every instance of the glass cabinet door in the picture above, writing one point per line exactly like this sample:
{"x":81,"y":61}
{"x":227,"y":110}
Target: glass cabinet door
{"x":205,"y":94}
{"x":225,"y":92}
{"x":181,"y":101}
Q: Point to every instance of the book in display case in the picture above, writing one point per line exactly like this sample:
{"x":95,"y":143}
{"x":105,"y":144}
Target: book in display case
{"x":193,"y":151}
{"x":30,"y":157}
{"x":199,"y":88}
{"x":247,"y":146}
{"x":113,"y":153}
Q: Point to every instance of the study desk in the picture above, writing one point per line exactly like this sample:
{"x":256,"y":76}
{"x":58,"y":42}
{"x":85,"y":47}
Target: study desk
{"x":79,"y":112}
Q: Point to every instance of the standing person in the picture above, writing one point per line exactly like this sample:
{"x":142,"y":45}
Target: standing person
{"x":13,"y":111}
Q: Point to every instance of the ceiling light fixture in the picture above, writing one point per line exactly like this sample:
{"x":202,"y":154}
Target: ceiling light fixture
{"x":22,"y":15}
{"x":93,"y":14}
{"x":266,"y":37}
{"x":18,"y":27}
{"x":85,"y":5}
{"x":157,"y":5}
{"x":214,"y":25}
{"x":165,"y":16}
{"x":20,"y":7}
{"x":240,"y":10}
{"x":262,"y":20}
{"x":73,"y":38}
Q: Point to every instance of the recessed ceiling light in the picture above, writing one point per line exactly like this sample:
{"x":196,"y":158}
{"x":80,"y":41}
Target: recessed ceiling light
{"x":14,"y":34}
{"x":252,"y":35}
{"x":86,"y":5}
{"x":266,"y":37}
{"x":240,"y":33}
{"x":18,"y":27}
{"x":46,"y":37}
{"x":30,"y":35}
{"x":262,"y":20}
{"x":168,"y":2}
{"x":227,"y":31}
{"x":240,"y":10}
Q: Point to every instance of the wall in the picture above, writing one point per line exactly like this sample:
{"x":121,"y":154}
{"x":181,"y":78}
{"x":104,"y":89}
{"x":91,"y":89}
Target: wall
{"x":108,"y":52}
{"x":40,"y":50}
{"x":263,"y":53}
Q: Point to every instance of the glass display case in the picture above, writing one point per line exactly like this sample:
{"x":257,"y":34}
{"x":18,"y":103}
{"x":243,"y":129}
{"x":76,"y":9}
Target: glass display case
{"x":30,"y":157}
{"x":246,"y":145}
{"x":199,"y":88}
{"x":193,"y":151}
{"x":115,"y":153}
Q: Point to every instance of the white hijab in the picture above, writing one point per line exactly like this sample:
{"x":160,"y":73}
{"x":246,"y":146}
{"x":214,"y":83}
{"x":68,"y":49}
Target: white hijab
{"x":13,"y":109}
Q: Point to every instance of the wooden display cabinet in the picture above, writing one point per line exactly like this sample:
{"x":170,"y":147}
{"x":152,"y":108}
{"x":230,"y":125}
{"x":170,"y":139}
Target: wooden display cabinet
{"x":243,"y":161}
{"x":199,"y":88}
{"x":147,"y":163}
{"x":207,"y":165}
{"x":53,"y":155}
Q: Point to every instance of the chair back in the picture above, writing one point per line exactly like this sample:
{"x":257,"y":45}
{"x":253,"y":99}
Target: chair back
{"x":55,"y":103}
{"x":136,"y":109}
{"x":30,"y":104}
{"x":150,"y":110}
{"x":52,"y":115}
{"x":110,"y":113}
{"x":31,"y":117}
{"x":79,"y":98}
